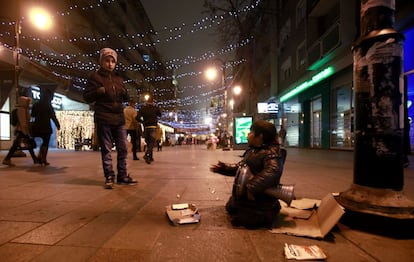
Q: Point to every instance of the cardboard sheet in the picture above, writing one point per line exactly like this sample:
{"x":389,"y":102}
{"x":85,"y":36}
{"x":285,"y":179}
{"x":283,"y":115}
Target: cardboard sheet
{"x":319,"y":223}
{"x":183,"y":213}
{"x":305,"y":203}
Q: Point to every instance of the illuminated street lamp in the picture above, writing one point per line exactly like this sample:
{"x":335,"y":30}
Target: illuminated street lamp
{"x":211,"y":74}
{"x":236,"y":92}
{"x":41,"y":19}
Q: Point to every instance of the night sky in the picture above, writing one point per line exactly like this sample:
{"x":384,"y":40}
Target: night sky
{"x":174,"y":14}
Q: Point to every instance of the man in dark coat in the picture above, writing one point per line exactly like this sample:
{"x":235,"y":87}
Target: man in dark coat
{"x":148,"y":115}
{"x":43,"y":112}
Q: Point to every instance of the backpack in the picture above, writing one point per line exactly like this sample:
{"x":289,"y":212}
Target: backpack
{"x":14,"y":119}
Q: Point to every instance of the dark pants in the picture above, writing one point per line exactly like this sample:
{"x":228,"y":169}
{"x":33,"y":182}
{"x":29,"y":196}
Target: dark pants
{"x":251,"y":214}
{"x":44,"y":147}
{"x":150,"y":136}
{"x":139,"y":143}
{"x":15,"y":146}
{"x":107,"y":135}
{"x":133,"y":134}
{"x":159,"y":145}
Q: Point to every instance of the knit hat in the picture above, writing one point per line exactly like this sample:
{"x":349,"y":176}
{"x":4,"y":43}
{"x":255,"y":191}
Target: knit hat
{"x":107,"y":52}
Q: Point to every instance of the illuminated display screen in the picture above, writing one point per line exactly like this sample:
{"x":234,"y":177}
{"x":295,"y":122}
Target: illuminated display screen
{"x":242,"y":128}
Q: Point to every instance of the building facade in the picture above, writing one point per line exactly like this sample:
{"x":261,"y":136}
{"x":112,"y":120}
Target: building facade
{"x":66,"y":55}
{"x":315,"y":69}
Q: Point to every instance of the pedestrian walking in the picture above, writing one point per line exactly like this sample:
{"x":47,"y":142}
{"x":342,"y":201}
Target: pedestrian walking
{"x":148,"y":115}
{"x":42,"y":113}
{"x":21,"y":131}
{"x":159,"y":139}
{"x":131,"y":125}
{"x":249,"y":205}
{"x":105,"y":88}
{"x":139,"y":136}
{"x":282,"y":135}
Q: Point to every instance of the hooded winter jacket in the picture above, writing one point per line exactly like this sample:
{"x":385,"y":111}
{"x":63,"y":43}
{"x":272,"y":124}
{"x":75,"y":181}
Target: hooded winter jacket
{"x":266,"y":164}
{"x":108,"y":105}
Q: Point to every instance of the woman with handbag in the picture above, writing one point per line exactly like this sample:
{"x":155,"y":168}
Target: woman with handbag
{"x":43,"y":112}
{"x":23,"y":140}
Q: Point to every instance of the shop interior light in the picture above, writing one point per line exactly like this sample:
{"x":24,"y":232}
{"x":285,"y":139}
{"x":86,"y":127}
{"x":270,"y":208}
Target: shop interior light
{"x":305,"y":85}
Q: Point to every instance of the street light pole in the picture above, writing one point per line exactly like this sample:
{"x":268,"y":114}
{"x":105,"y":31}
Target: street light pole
{"x":17,"y":29}
{"x":211,"y":74}
{"x":226,"y":119}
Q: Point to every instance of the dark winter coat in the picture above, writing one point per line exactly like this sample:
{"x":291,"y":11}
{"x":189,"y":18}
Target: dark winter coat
{"x":148,"y":115}
{"x":43,"y":112}
{"x":266,"y":164}
{"x":108,"y":106}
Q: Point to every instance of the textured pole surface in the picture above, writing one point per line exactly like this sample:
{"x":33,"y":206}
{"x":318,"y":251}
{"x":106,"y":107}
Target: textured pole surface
{"x":379,"y":93}
{"x":379,"y":117}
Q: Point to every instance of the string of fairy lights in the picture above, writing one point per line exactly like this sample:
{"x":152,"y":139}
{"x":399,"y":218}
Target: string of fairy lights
{"x":83,"y":61}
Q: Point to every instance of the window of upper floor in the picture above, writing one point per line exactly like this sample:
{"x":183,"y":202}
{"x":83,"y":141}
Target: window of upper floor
{"x":301,"y":55}
{"x":300,"y":12}
{"x":284,"y":35}
{"x":286,"y":68}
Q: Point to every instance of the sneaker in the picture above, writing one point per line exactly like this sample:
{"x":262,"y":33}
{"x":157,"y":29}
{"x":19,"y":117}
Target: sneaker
{"x":109,"y":182}
{"x":8,"y":162}
{"x":147,"y":159}
{"x":126,"y":180}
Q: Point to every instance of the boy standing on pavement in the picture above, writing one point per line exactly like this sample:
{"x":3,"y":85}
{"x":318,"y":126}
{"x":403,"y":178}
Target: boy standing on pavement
{"x":106,"y":89}
{"x":148,"y":115}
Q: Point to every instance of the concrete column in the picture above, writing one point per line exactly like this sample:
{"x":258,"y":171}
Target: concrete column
{"x":379,"y":116}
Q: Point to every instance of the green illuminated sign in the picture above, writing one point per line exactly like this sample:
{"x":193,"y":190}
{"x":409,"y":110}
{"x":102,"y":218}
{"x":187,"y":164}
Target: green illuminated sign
{"x":305,"y":85}
{"x":242,"y":128}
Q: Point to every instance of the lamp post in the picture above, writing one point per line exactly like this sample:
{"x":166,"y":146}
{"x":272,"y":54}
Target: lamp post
{"x":17,"y":30}
{"x":212,"y":74}
{"x":236,"y":91}
{"x":38,"y":17}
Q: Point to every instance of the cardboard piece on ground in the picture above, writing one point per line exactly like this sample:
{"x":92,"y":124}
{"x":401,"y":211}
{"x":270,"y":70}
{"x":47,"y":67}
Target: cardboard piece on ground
{"x":317,"y":226}
{"x":305,"y":203}
{"x":296,"y":213}
{"x":183,"y":213}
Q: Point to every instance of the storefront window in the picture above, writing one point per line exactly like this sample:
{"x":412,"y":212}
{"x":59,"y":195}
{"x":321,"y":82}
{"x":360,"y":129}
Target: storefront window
{"x":342,"y":118}
{"x":5,"y":121}
{"x":292,"y":111}
{"x":316,"y":122}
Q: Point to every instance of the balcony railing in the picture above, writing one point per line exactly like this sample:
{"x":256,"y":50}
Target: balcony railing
{"x":324,"y":45}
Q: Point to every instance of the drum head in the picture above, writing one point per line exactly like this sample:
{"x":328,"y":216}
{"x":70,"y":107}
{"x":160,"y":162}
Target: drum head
{"x":243,"y":175}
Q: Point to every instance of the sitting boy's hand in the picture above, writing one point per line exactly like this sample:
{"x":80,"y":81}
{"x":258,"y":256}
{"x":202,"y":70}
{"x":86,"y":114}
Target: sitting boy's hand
{"x":224,"y":169}
{"x":218,"y":168}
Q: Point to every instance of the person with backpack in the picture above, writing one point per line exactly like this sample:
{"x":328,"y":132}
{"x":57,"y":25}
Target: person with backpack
{"x":20,"y":118}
